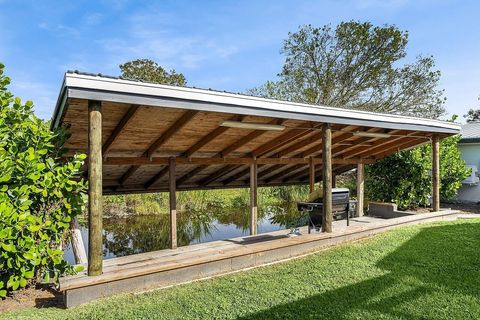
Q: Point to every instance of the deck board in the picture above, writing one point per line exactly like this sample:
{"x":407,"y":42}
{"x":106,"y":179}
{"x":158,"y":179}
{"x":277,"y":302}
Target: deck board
{"x":166,"y":260}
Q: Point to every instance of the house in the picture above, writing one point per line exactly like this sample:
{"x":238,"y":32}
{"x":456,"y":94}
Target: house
{"x":469,"y":146}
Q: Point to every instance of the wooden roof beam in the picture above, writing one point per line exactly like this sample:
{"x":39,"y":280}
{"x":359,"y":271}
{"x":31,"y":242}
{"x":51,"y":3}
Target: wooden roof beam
{"x":177,"y":126}
{"x":209,"y":137}
{"x":218,"y":174}
{"x":119,"y":128}
{"x":377,"y":146}
{"x":337,"y":137}
{"x":234,"y":146}
{"x":174,"y":128}
{"x":300,"y":144}
{"x":249,"y":137}
{"x":283,"y":172}
{"x":281,"y":140}
{"x":409,"y":143}
{"x":157,"y":177}
{"x":294,"y":172}
{"x":365,"y":140}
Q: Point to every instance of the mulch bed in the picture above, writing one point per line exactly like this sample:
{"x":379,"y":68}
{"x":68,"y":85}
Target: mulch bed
{"x":39,"y":297}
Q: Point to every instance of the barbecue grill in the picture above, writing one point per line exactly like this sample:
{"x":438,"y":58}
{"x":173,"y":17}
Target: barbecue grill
{"x":341,"y":207}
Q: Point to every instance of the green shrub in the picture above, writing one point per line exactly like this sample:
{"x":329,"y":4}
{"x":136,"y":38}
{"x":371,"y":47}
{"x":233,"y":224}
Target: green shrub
{"x":39,"y":195}
{"x":405,"y":179}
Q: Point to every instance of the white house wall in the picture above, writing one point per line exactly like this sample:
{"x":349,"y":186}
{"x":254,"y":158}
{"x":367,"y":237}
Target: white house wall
{"x":471,"y":155}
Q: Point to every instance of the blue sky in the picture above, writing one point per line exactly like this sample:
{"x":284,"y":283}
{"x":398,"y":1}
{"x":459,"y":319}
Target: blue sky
{"x":226,"y":45}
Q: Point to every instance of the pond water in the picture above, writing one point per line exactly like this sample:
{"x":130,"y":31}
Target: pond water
{"x":138,"y":234}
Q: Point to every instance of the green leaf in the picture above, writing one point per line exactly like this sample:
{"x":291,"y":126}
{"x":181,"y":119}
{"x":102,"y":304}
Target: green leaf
{"x":4,"y":233}
{"x":29,"y":274}
{"x":34,"y":228}
{"x":22,"y":282}
{"x":13,"y":283}
{"x":3,"y":293}
{"x":29,"y":255}
{"x":78,"y":268}
{"x":8,"y":247}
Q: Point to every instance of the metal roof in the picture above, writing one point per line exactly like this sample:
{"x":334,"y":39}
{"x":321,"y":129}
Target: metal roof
{"x":470,"y":132}
{"x":113,"y":89}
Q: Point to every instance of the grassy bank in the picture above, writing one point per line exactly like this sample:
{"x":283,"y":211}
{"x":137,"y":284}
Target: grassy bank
{"x":420,"y":272}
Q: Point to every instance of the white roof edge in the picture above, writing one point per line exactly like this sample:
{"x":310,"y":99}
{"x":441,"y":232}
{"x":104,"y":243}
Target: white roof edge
{"x":99,"y":84}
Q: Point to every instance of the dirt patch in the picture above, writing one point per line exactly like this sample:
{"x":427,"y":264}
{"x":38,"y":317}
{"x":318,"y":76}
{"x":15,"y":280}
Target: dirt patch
{"x":39,"y":297}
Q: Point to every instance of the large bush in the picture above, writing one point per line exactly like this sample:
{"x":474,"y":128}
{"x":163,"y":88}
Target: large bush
{"x":405,"y":177}
{"x":39,"y":194}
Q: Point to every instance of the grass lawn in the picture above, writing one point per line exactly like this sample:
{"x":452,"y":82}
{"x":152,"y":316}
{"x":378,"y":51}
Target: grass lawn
{"x":421,"y":272}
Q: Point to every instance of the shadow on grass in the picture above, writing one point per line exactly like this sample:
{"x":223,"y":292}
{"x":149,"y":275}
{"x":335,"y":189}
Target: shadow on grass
{"x":424,"y":278}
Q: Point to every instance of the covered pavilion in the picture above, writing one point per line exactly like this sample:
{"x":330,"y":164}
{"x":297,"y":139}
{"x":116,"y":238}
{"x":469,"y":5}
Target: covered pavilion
{"x":143,"y":137}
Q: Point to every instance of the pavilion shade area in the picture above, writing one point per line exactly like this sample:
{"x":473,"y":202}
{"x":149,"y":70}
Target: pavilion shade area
{"x":144,"y":137}
{"x":138,"y":141}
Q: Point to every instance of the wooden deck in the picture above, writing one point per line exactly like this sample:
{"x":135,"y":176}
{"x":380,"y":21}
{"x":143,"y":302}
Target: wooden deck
{"x":169,"y":267}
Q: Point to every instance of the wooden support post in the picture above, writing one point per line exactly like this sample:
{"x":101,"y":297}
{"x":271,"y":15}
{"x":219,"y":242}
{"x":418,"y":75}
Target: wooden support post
{"x":334,"y":180}
{"x":77,"y":243}
{"x":360,"y":188}
{"x":173,"y":203}
{"x":253,"y":198}
{"x":435,"y":173}
{"x":311,"y":172}
{"x":95,"y":250}
{"x":327,"y":177}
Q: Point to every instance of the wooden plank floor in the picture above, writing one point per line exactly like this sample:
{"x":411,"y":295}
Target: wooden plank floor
{"x":217,"y":257}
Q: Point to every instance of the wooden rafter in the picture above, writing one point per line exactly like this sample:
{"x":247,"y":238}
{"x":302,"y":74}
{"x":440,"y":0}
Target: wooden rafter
{"x":249,"y":137}
{"x":179,"y":124}
{"x":219,"y":173}
{"x":174,"y":128}
{"x":294,"y":171}
{"x":209,"y":137}
{"x":234,"y":146}
{"x":408,"y":143}
{"x":281,"y":140}
{"x":300,"y":144}
{"x":119,"y":128}
{"x":163,"y":172}
{"x":190,"y":174}
{"x":235,"y":177}
{"x":339,"y":151}
{"x":263,"y":149}
{"x":377,"y":146}
{"x":282,"y":173}
{"x":316,"y":139}
{"x":338,"y":137}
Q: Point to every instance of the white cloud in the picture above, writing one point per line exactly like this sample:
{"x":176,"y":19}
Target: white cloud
{"x":153,"y":36}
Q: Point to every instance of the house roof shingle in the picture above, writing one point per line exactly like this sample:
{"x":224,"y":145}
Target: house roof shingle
{"x":470,"y":132}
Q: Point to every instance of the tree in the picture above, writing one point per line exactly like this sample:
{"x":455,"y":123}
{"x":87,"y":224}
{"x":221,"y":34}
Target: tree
{"x":356,"y":66}
{"x":473,"y":114}
{"x":404,"y":178}
{"x":39,"y":194}
{"x":150,"y":71}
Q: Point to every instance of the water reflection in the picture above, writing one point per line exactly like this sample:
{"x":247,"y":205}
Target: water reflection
{"x":137,"y":234}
